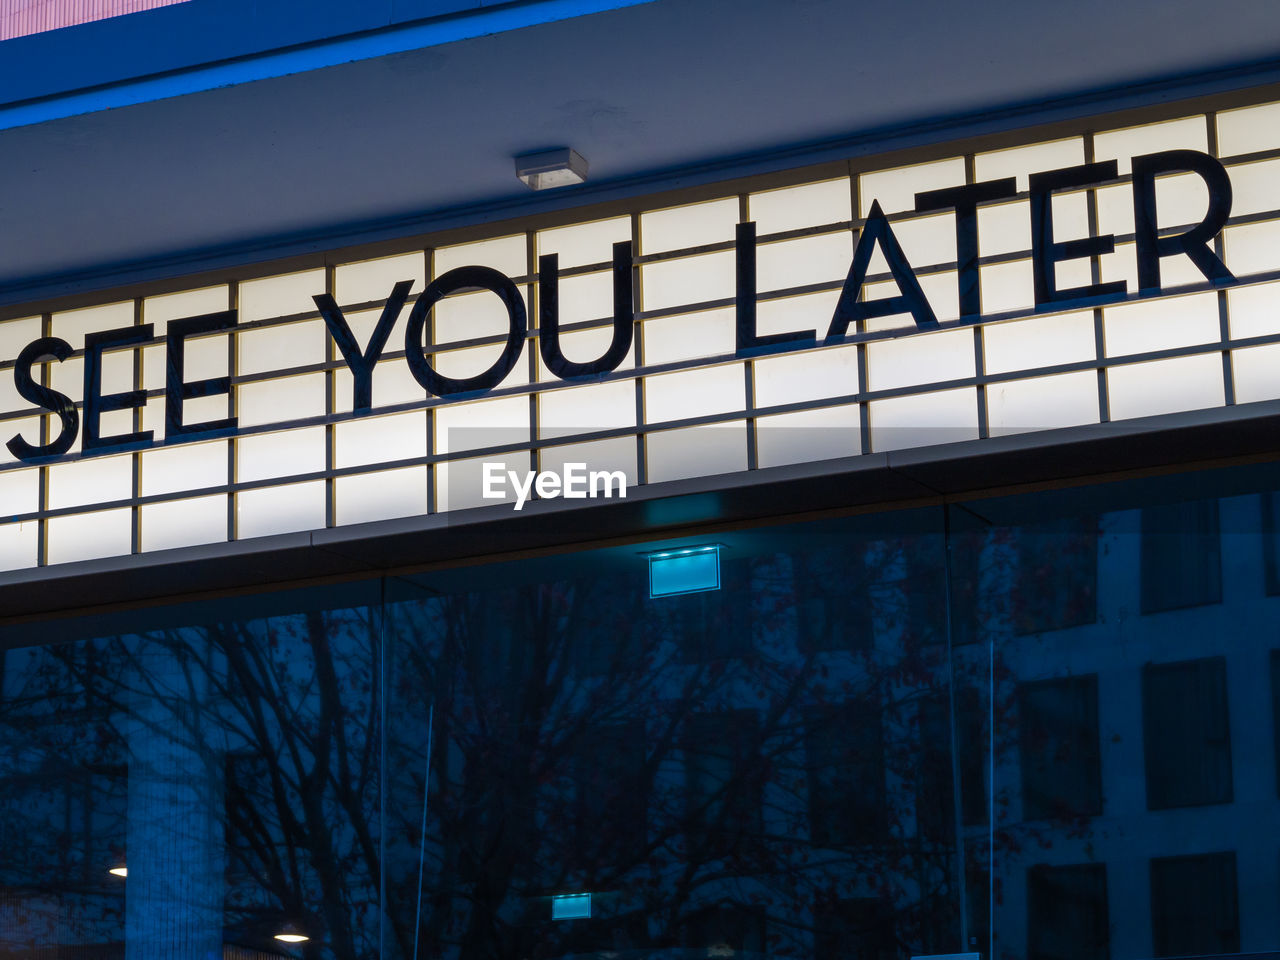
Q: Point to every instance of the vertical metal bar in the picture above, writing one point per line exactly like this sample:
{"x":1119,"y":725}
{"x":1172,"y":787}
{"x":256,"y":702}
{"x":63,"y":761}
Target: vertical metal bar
{"x":979,"y":354}
{"x":429,"y":266}
{"x":135,"y":519}
{"x":748,"y":370}
{"x":637,"y":340}
{"x":864,"y":410}
{"x":1224,"y":318}
{"x":531,"y":344}
{"x":233,"y":351}
{"x":1095,"y":273}
{"x":42,"y":504}
{"x":957,"y":784}
{"x":330,"y":408}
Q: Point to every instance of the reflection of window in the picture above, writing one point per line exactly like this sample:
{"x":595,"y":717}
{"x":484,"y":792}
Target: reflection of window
{"x":714,"y":624}
{"x":1067,"y":913}
{"x":723,"y":779}
{"x":605,"y":627}
{"x":845,"y":749}
{"x":1181,"y":556}
{"x":1193,"y":905}
{"x":833,"y":605}
{"x":611,"y":794}
{"x":1185,"y":734}
{"x":935,"y":801}
{"x":857,"y":929}
{"x":1271,"y":542}
{"x":1057,"y":575}
{"x":1058,"y":743}
{"x":726,"y":930}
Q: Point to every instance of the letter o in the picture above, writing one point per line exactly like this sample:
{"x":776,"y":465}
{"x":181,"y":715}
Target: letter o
{"x":439,"y":288}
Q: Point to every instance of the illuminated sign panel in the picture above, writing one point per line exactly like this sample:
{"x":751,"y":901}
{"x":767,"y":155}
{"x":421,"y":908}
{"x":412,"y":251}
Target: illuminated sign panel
{"x":1098,"y":277}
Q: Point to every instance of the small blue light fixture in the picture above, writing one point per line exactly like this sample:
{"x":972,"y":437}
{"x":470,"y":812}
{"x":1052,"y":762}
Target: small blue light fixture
{"x":571,"y":906}
{"x":692,"y":569}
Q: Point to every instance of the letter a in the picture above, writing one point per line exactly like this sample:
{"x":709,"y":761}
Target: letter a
{"x":851,"y":311}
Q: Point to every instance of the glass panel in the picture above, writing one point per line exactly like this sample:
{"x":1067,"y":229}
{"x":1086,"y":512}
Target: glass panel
{"x":460,"y":483}
{"x":616,"y":453}
{"x":184,"y":523}
{"x":285,"y":509}
{"x":483,"y":423}
{"x":186,"y":466}
{"x":1020,"y":162}
{"x":90,"y":536}
{"x":812,"y":375}
{"x":72,"y":325}
{"x":691,"y":226}
{"x":696,"y":451}
{"x":507,"y":255}
{"x":286,"y":295}
{"x":16,"y":334}
{"x":381,"y":496}
{"x":292,"y":452}
{"x":922,"y":358}
{"x":1248,"y":129}
{"x":1252,"y":248}
{"x":189,"y":303}
{"x":896,"y":189}
{"x":1255,"y":187}
{"x":1065,"y":400}
{"x":372,"y":280}
{"x":1254,"y":372}
{"x":795,"y":263}
{"x":599,"y":406}
{"x":467,"y":317}
{"x":1038,"y":342}
{"x":809,"y":205}
{"x":20,"y":491}
{"x":692,"y":280}
{"x":946,"y":416}
{"x":18,"y":545}
{"x":280,"y":400}
{"x":694,"y":393}
{"x":281,"y":347}
{"x":373,"y":439}
{"x":1161,"y":324}
{"x":1252,"y":311}
{"x":808,"y":435}
{"x":1122,"y":145}
{"x":95,"y":480}
{"x":688,"y":336}
{"x":1165,"y":386}
{"x":584,"y":243}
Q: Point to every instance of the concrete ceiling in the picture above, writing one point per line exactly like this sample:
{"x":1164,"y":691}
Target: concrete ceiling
{"x":391,"y":142}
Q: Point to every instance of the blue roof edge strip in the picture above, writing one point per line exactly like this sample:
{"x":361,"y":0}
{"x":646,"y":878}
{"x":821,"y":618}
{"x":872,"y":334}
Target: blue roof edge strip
{"x":303,"y":58}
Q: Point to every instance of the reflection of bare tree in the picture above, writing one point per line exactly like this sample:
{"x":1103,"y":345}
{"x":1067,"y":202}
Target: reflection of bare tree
{"x":766,"y":769}
{"x":747,"y":766}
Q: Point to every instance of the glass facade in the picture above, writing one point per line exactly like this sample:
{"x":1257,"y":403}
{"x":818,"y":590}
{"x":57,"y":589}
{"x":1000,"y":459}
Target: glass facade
{"x":1043,"y":726}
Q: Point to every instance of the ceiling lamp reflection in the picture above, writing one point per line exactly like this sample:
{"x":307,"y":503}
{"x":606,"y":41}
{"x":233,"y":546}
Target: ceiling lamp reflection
{"x":120,"y":871}
{"x":291,"y":934}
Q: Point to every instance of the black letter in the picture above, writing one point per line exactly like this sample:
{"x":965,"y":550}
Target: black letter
{"x":177,"y":391}
{"x":1045,"y":254}
{"x":362,"y":364}
{"x":748,"y":341}
{"x":461,"y":278}
{"x":46,"y":348}
{"x":910,"y":298}
{"x":96,"y":403}
{"x":965,"y":200}
{"x":1195,"y":242}
{"x":549,"y":317}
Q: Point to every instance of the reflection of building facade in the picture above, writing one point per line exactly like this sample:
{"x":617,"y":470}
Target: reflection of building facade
{"x":974,"y":416}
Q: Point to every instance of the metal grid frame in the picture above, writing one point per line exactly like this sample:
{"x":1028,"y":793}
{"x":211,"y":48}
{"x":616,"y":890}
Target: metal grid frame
{"x":749,"y":415}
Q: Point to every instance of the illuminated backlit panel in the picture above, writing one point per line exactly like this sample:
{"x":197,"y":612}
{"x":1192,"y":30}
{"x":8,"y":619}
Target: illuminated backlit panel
{"x":683,"y":402}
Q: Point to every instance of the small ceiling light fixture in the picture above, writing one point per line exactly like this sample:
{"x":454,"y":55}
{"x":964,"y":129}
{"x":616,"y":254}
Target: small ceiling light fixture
{"x":690,"y":569}
{"x":545,"y":169}
{"x":571,"y":906}
{"x":120,"y":871}
{"x":291,"y":934}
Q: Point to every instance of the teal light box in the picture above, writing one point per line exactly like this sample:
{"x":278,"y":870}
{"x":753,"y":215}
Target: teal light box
{"x":571,"y":906}
{"x":684,"y":570}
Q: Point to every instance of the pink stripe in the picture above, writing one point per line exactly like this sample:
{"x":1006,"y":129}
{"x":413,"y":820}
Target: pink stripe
{"x":18,"y":18}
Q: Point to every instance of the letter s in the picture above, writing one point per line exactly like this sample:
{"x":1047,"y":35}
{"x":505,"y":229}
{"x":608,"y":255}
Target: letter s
{"x":39,"y":351}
